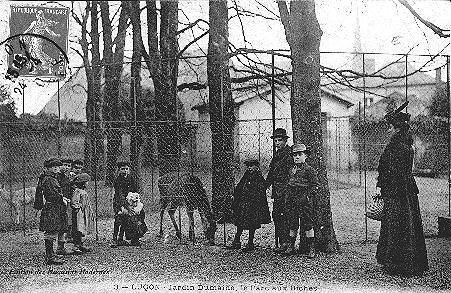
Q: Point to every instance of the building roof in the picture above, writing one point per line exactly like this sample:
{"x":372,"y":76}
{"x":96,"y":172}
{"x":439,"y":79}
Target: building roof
{"x":415,"y":107}
{"x":265,"y":92}
{"x":392,"y":74}
{"x":72,"y":98}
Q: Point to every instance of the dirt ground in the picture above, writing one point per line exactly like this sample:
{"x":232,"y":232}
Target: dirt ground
{"x":168,"y":265}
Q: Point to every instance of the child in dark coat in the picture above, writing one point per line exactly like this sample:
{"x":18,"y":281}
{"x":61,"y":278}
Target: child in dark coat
{"x":123,"y":184}
{"x":53,"y":221}
{"x":250,"y":206}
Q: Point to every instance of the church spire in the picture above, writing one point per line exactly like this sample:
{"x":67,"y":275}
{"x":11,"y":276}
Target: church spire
{"x":357,"y":42}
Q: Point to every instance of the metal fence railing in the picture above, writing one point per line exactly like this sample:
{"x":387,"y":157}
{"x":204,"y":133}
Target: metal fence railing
{"x":354,"y":135}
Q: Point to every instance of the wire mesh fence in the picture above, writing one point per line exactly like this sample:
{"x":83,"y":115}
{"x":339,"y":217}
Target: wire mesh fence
{"x":354,"y":136}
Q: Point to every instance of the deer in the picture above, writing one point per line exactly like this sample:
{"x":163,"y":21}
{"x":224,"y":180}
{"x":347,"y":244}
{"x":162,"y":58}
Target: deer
{"x":16,"y":199}
{"x":183,"y":189}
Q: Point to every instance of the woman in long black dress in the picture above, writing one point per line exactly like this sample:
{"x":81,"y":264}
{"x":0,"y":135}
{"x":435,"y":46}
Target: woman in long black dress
{"x":401,"y":248}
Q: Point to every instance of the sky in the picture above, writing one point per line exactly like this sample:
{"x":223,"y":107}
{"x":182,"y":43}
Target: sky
{"x":384,"y":26}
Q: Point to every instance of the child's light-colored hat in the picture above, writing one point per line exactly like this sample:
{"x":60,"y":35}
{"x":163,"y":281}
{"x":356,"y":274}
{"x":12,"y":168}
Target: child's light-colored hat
{"x":300,"y":148}
{"x":133,"y":197}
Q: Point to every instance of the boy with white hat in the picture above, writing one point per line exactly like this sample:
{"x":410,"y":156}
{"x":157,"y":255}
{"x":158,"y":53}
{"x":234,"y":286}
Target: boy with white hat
{"x":301,"y":187}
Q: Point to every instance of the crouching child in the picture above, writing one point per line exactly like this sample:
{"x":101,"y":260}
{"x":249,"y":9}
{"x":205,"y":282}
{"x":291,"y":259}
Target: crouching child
{"x":249,"y":206}
{"x":133,"y":215}
{"x":301,"y":187}
{"x":82,"y":215}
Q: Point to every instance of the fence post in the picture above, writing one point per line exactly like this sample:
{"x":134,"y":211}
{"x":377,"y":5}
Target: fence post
{"x":360,"y":144}
{"x":406,"y":80}
{"x":364,"y":145}
{"x":10,"y":182}
{"x":273,"y":102}
{"x":449,"y":135}
{"x":94,"y":137}
{"x":59,"y":118}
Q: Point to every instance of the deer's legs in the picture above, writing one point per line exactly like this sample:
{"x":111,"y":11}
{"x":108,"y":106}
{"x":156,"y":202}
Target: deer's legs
{"x":204,"y":221}
{"x":174,"y":223}
{"x":161,"y":222}
{"x":208,"y":225}
{"x":191,"y":225}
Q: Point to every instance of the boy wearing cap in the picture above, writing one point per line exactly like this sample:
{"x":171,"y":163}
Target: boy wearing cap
{"x":301,"y":187}
{"x":278,"y":175}
{"x":81,"y":212}
{"x":53,"y":221}
{"x":249,"y":206}
{"x":123,"y":184}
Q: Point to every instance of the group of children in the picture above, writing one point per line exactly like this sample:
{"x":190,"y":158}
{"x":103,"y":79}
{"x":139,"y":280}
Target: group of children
{"x":294,"y":184}
{"x":61,"y":195}
{"x":66,"y":211}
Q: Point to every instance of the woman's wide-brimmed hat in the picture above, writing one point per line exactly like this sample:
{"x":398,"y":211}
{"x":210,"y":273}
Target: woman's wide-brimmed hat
{"x":300,"y":148}
{"x":397,"y":117}
{"x":279,"y":132}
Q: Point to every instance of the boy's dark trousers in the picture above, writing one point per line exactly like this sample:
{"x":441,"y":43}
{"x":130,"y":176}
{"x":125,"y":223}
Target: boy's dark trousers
{"x":278,"y":216}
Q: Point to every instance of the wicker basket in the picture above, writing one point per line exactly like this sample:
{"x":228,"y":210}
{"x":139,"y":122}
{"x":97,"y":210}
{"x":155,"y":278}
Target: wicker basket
{"x":374,"y":211}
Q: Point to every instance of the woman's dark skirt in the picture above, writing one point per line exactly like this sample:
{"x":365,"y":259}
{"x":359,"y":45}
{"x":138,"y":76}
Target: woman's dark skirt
{"x":401,"y":247}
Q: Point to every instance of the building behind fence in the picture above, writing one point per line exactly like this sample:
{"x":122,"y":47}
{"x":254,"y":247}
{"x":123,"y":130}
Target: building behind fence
{"x":354,"y":133}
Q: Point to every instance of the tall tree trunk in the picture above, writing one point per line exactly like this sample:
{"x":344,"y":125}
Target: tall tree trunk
{"x":304,"y":36}
{"x":167,"y":128}
{"x":113,"y":70}
{"x":221,"y":108}
{"x":97,"y":159}
{"x":136,"y":143}
{"x":89,"y":101}
{"x":153,"y":62}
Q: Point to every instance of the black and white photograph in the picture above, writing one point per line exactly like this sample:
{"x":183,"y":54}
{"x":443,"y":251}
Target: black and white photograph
{"x":225,"y":146}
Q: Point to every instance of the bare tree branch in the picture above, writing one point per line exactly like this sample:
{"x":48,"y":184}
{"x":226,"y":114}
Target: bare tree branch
{"x":285,"y":18}
{"x":437,"y":30}
{"x":192,"y":42}
{"x":191,"y":25}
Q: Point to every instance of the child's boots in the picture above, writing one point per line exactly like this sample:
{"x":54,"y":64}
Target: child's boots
{"x":281,"y":248}
{"x":311,"y":247}
{"x":234,"y":245}
{"x":50,"y":257}
{"x":61,"y":250}
{"x":249,"y":247}
{"x":290,"y":246}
